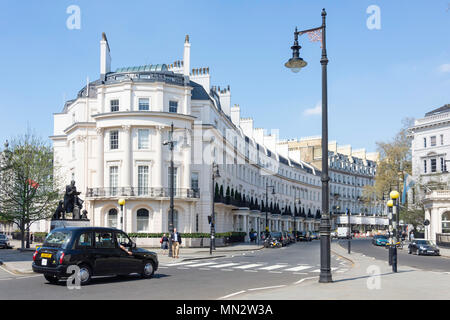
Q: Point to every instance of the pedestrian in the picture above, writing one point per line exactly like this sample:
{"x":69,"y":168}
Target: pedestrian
{"x":176,"y":242}
{"x":411,"y":236}
{"x":164,"y":243}
{"x":31,"y":238}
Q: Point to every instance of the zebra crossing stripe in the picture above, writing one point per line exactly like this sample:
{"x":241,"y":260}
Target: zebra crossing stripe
{"x":201,"y":264}
{"x":179,"y":263}
{"x":318,"y":270}
{"x":277,"y":266}
{"x":225,"y":265}
{"x":248,"y":266}
{"x":299,"y":268}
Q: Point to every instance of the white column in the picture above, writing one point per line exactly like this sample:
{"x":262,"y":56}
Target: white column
{"x":245,"y":218}
{"x":126,"y":174}
{"x":100,"y":160}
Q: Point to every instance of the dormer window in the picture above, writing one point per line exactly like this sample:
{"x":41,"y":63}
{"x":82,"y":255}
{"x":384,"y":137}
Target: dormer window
{"x":173,"y":106}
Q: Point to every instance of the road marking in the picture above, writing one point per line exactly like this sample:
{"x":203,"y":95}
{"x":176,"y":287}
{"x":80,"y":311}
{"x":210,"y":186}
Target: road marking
{"x":299,"y":268}
{"x":273,"y":287}
{"x":250,"y":271}
{"x":225,"y":265}
{"x":182,"y":268}
{"x":247,"y":266}
{"x":318,"y":270}
{"x":7,"y":271}
{"x":226,"y":270}
{"x":230,"y":295}
{"x":29,"y":277}
{"x":300,"y":273}
{"x":201,"y":264}
{"x":6,"y":279}
{"x":300,"y":281}
{"x":277,"y":266}
{"x":206,"y":269}
{"x":275,"y":272}
{"x":179,"y":263}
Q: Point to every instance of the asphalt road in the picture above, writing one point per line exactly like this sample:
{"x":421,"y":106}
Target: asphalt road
{"x":427,"y":263}
{"x":201,"y":279}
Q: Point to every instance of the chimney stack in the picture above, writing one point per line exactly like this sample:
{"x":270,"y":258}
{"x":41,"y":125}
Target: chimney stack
{"x":105,"y":57}
{"x":186,"y":56}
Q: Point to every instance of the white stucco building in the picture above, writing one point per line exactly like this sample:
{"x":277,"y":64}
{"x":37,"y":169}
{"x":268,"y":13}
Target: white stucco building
{"x":110,"y":140}
{"x":430,"y":157}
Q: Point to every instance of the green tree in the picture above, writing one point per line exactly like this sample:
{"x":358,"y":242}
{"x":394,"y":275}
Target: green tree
{"x":27,"y":185}
{"x":394,"y":163}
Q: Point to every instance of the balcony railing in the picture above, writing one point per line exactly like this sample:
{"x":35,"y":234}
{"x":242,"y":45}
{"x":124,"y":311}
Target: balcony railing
{"x":141,"y":192}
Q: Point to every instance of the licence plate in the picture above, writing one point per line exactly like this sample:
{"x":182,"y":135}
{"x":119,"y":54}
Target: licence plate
{"x":46,"y":255}
{"x":44,"y":262}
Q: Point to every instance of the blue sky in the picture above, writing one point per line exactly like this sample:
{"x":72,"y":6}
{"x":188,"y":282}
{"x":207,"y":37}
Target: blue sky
{"x":375,"y":77}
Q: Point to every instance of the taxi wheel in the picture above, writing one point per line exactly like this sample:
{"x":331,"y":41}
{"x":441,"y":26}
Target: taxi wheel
{"x":50,"y":278}
{"x":85,"y":274}
{"x":148,"y":270}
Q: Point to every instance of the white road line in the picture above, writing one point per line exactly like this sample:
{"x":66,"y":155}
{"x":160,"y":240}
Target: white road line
{"x":226,"y":270}
{"x":318,"y":270}
{"x":29,"y":277}
{"x":8,"y":271}
{"x":247,"y":266}
{"x":277,"y":266}
{"x":299,"y":268}
{"x":300,"y":273}
{"x":4,"y":279}
{"x":275,"y":272}
{"x":205,"y":269}
{"x":201,"y":264}
{"x":300,"y":281}
{"x":179,"y":263}
{"x":224,"y":265}
{"x":250,"y":271}
{"x":273,"y":287}
{"x":230,"y":295}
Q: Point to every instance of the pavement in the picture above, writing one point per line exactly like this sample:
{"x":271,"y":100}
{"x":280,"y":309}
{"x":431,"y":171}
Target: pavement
{"x":367,"y":279}
{"x":19,"y":262}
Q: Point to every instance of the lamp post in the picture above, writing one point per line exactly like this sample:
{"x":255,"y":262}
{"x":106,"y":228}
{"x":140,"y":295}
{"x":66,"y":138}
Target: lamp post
{"x":171,"y":144}
{"x":267,"y":207}
{"x":212,"y":242}
{"x":295,"y":64}
{"x":394,"y":196}
{"x":349,"y":235}
{"x":299,"y":202}
{"x":121,"y":203}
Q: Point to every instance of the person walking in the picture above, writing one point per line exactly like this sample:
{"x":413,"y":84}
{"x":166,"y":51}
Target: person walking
{"x":164,"y":243}
{"x":411,"y":236}
{"x":176,"y":242}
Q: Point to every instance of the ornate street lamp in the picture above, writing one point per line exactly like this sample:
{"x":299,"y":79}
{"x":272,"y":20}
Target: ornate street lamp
{"x":171,"y":144}
{"x":295,"y":64}
{"x":267,"y":207}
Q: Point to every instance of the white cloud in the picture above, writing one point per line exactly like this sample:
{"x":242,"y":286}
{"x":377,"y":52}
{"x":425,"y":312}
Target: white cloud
{"x":444,"y":67}
{"x":314,"y":111}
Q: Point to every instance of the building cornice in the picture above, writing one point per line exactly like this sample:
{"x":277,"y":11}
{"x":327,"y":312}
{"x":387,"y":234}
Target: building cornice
{"x":158,"y":114}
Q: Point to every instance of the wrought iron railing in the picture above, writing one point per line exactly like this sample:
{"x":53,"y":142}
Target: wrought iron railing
{"x":141,"y":192}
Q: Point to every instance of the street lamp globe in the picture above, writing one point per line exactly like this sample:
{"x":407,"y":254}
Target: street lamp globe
{"x":121,"y":202}
{"x":390,"y":203}
{"x":394,"y":194}
{"x":295,"y":64}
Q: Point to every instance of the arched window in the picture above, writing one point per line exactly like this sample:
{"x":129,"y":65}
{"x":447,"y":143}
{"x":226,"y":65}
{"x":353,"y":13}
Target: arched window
{"x":142,"y":220}
{"x":446,"y":222}
{"x":112,"y":218}
{"x":175,"y":219}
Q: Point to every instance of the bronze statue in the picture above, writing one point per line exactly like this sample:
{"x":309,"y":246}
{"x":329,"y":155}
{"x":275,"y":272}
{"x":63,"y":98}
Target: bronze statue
{"x":59,"y":212}
{"x":72,"y":203}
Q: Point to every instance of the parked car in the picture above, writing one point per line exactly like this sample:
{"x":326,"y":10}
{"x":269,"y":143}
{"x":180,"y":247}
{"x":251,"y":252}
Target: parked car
{"x":4,"y":242}
{"x":380,"y":240}
{"x":96,"y":251}
{"x":314,"y":236}
{"x":303,"y":236}
{"x":291,"y":237}
{"x":422,"y":246}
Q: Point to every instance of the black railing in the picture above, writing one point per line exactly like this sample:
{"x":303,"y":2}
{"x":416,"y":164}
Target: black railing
{"x":443,"y":239}
{"x":141,"y":192}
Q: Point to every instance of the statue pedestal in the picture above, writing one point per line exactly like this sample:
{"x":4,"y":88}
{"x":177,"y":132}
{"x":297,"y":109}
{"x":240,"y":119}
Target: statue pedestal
{"x":65,"y":223}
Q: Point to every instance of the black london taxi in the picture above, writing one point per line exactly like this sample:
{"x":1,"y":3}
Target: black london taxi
{"x":95,"y":251}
